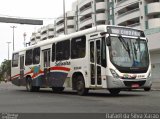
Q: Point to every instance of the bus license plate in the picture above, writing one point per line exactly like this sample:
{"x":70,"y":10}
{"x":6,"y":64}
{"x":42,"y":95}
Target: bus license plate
{"x":135,"y":86}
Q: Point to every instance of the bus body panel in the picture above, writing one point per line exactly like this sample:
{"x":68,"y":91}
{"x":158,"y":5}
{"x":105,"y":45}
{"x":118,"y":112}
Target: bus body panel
{"x":63,"y":73}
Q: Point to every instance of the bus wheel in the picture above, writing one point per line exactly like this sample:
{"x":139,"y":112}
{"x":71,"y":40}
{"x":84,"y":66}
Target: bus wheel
{"x":29,"y":86}
{"x":81,"y":90}
{"x":36,"y":88}
{"x":57,"y":89}
{"x":147,"y":89}
{"x":114,"y":91}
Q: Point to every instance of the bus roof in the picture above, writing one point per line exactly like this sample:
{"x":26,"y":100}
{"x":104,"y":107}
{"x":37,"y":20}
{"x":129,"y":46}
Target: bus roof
{"x":99,"y":28}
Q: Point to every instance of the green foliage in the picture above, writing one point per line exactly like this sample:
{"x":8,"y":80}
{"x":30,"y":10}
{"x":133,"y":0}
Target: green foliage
{"x":5,"y":69}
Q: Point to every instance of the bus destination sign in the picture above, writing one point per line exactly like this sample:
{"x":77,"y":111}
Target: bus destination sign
{"x":125,"y":31}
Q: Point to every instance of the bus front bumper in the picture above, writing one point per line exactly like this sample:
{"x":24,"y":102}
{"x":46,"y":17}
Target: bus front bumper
{"x":128,"y":83}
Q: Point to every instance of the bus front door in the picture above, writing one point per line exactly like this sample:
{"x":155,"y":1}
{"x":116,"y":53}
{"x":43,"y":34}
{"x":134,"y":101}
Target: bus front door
{"x":95,"y":63}
{"x":21,"y":81}
{"x":46,"y":65}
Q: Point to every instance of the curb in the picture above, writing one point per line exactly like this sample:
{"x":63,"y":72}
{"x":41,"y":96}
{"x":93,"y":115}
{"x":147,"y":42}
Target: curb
{"x":154,"y":89}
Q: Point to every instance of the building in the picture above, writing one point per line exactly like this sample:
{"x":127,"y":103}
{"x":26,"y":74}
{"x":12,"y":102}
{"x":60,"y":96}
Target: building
{"x":70,"y":23}
{"x":141,"y":14}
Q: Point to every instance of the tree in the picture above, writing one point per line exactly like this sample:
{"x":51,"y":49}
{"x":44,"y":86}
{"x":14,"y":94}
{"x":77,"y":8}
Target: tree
{"x":5,"y":69}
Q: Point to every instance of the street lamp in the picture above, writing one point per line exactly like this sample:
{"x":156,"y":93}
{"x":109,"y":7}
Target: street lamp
{"x":8,"y":43}
{"x":13,"y":27}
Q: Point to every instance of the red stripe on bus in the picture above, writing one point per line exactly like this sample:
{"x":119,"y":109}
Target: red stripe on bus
{"x":60,"y":68}
{"x":41,"y":72}
{"x":28,"y":73}
{"x":15,"y":76}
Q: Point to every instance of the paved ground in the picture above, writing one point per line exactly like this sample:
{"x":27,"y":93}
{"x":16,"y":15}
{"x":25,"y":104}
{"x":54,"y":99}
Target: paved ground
{"x":156,"y":84}
{"x":17,"y":99}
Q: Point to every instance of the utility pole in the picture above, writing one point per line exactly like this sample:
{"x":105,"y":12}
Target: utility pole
{"x":77,"y":14}
{"x":13,"y":27}
{"x":95,"y":14}
{"x":64,"y":16}
{"x":24,"y":35}
{"x":8,"y":43}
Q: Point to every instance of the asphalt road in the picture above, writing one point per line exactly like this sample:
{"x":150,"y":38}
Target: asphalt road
{"x":15,"y":99}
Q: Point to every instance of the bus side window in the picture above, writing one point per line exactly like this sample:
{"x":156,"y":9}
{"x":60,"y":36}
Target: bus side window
{"x":78,"y":47}
{"x":98,"y":47}
{"x":36,"y":55}
{"x":15,"y":60}
{"x":53,"y":52}
{"x":63,"y":50}
{"x":29,"y":57}
{"x":92,"y":52}
{"x":103,"y":53}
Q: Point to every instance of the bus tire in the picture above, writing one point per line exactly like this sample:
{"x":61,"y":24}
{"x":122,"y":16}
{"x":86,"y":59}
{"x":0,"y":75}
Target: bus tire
{"x":57,"y":89}
{"x":147,"y":89}
{"x":36,"y":88}
{"x":80,"y":86}
{"x":29,"y":86}
{"x":114,"y":91}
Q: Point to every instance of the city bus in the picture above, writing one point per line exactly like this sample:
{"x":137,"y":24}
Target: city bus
{"x":108,"y":57}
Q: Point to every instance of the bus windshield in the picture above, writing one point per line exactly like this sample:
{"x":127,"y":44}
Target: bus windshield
{"x":129,"y":54}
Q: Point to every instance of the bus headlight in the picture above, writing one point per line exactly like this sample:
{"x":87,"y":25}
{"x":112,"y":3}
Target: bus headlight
{"x":115,"y":75}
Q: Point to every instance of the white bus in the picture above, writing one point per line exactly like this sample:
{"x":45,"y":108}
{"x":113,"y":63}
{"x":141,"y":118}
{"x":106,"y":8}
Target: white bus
{"x":102,"y":57}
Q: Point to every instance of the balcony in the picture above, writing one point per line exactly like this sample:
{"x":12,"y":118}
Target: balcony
{"x":124,"y":3}
{"x":154,"y":23}
{"x":100,"y":17}
{"x":83,"y":3}
{"x":85,"y":12}
{"x":136,"y":26}
{"x":132,"y":14}
{"x":100,"y":6}
{"x":71,"y":14}
{"x":60,"y":26}
{"x":70,"y":30}
{"x":85,"y":22}
{"x":60,"y":33}
{"x":60,"y":19}
{"x":70,"y":22}
{"x":33,"y":36}
{"x":43,"y":30}
{"x":50,"y":26}
{"x":33,"y":42}
{"x":50,"y":33}
{"x":43,"y":37}
{"x":38,"y":37}
{"x":153,"y":8}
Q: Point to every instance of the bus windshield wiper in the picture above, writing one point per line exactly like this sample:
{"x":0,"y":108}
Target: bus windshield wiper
{"x":125,"y":45}
{"x":135,"y":50}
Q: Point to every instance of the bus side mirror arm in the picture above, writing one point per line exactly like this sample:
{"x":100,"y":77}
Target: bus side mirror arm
{"x":108,"y":41}
{"x":147,"y":40}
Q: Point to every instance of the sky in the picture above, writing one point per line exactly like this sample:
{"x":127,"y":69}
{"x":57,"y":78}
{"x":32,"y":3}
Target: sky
{"x":34,"y":9}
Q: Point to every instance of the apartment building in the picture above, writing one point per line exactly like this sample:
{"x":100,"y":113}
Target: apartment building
{"x":141,"y":14}
{"x":69,"y":22}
